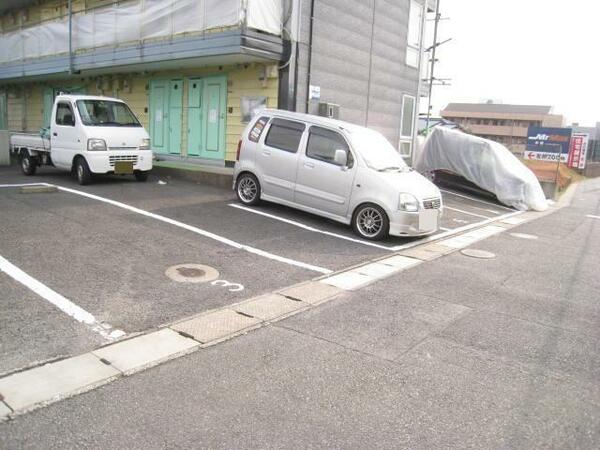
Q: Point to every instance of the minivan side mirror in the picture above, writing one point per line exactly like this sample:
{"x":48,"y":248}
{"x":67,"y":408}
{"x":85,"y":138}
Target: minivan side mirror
{"x":340,"y":158}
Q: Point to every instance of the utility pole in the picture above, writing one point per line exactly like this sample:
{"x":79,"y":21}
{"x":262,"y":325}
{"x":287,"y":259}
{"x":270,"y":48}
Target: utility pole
{"x":435,"y":45}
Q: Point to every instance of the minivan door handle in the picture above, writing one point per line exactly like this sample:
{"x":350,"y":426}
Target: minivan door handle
{"x":309,"y":165}
{"x":54,"y":134}
{"x":266,"y":153}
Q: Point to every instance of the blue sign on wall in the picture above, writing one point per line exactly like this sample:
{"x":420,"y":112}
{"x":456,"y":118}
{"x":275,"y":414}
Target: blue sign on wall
{"x":548,"y":144}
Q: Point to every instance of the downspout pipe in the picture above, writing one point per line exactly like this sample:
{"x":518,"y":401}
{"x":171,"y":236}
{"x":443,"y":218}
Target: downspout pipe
{"x":309,"y":65}
{"x":419,"y":85}
{"x":70,"y":5}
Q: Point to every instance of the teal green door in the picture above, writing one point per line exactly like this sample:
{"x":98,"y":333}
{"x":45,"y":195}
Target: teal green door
{"x":165,"y":116}
{"x":158,"y":96}
{"x":175,"y":112}
{"x":3,"y":111}
{"x":214,"y":112}
{"x":48,"y":99}
{"x":195,"y":88}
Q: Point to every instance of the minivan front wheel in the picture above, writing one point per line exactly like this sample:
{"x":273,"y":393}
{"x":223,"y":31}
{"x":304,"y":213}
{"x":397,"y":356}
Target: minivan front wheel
{"x":370,"y":222}
{"x":248,"y":189}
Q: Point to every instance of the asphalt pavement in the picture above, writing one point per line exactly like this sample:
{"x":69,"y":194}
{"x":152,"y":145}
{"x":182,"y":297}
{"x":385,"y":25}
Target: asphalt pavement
{"x":456,"y":352}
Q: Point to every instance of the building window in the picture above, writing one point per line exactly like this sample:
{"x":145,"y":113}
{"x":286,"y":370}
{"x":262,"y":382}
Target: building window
{"x":413,"y":47}
{"x":407,"y":123}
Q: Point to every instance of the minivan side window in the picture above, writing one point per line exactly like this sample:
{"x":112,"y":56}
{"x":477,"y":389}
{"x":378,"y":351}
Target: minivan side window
{"x":322,"y":144}
{"x":285,"y":135}
{"x":64,"y":115}
{"x":257,"y":129}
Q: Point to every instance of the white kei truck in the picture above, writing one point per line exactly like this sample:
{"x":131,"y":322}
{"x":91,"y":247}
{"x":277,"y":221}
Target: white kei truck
{"x":88,"y":135}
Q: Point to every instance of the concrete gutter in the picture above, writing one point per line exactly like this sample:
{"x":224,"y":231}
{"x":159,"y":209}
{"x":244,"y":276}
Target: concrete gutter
{"x":211,"y":175}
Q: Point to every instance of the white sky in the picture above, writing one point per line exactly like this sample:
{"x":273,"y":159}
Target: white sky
{"x":544,"y":52}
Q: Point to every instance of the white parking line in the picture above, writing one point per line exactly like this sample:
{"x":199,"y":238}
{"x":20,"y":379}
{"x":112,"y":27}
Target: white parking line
{"x":197,"y":230}
{"x":309,"y":228}
{"x":477,"y":200}
{"x":446,"y":231}
{"x":210,"y":235}
{"x":66,"y":306}
{"x":21,"y":185}
{"x":466,"y":212}
{"x":591,"y":216}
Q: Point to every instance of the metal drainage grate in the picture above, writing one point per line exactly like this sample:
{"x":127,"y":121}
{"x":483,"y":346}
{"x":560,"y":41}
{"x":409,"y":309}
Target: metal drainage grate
{"x":192,"y":273}
{"x":481,"y":254}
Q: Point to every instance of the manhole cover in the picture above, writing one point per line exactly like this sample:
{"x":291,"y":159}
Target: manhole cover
{"x":192,"y":273}
{"x":473,"y":253}
{"x":523,"y":236}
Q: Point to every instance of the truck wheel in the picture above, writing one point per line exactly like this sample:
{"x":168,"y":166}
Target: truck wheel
{"x":141,"y":175}
{"x":247,"y":189}
{"x":82,"y":171}
{"x":370,"y":222}
{"x":28,"y":163}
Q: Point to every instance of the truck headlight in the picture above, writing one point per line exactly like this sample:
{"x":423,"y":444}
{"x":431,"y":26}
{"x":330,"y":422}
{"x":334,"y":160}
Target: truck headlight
{"x":96,"y":145}
{"x":145,"y":144}
{"x":408,"y":203}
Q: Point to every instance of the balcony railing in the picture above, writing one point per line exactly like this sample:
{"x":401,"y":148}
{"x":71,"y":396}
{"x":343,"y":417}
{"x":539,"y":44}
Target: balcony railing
{"x":137,"y":20}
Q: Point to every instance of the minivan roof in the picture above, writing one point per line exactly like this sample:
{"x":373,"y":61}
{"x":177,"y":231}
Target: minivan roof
{"x":311,"y":118}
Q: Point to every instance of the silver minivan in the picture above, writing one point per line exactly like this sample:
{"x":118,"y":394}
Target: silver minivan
{"x":337,"y":170}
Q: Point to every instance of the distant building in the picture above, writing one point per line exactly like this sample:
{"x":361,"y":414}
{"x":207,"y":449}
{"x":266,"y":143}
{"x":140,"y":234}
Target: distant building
{"x":506,"y":124}
{"x":425,"y":128}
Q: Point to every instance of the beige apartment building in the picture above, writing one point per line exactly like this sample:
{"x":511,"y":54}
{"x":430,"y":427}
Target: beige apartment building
{"x":506,"y":124}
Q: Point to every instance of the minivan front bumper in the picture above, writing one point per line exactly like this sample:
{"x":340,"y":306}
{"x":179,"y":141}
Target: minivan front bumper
{"x":420,"y":223}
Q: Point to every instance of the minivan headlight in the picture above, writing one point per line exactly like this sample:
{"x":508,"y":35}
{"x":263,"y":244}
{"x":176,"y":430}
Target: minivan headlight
{"x":96,"y":145}
{"x":408,"y":202}
{"x":145,"y":144}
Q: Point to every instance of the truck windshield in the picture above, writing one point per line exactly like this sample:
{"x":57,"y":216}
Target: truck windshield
{"x":106,"y":113}
{"x":377,"y":152}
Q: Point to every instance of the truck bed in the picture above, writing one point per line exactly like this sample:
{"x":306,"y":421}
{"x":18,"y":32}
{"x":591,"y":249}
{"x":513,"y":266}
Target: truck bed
{"x":32,"y":141}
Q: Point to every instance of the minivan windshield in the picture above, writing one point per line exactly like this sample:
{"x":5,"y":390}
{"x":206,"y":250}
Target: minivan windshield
{"x":106,"y":113}
{"x":377,"y":152}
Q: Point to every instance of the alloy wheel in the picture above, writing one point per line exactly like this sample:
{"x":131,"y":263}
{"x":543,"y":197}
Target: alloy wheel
{"x":247,"y":189}
{"x":369,"y":222}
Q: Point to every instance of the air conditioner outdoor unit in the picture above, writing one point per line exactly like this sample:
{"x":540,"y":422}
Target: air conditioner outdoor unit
{"x":330,"y":110}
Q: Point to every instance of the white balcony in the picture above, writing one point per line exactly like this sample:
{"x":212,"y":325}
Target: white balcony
{"x":137,"y":23}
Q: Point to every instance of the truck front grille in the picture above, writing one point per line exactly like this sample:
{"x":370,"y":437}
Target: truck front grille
{"x":113,"y":158}
{"x":432,"y":203}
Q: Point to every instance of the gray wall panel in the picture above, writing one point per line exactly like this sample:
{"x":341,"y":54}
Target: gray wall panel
{"x":359,"y":64}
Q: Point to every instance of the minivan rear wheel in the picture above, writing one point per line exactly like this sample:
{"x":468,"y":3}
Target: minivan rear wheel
{"x":370,"y":222}
{"x":248,"y":189}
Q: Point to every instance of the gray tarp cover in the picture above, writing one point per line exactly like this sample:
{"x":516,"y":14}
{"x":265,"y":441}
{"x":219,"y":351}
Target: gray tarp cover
{"x":489,"y":165}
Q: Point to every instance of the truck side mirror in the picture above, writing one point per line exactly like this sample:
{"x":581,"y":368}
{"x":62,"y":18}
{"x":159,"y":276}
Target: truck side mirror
{"x":340,"y":158}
